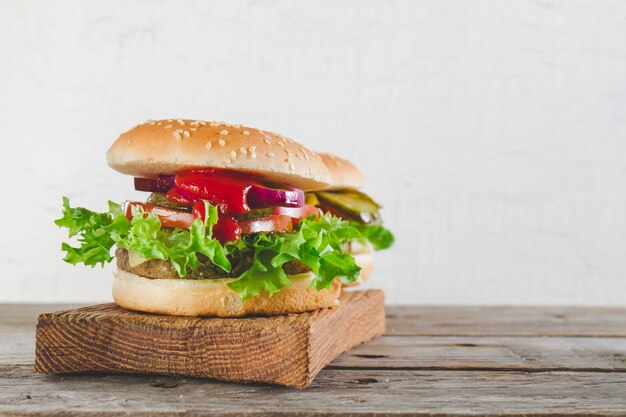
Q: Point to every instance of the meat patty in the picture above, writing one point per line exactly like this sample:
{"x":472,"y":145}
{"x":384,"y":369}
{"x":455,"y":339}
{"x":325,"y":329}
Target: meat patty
{"x":156,"y":268}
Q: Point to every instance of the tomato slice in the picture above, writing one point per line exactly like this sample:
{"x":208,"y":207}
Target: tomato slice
{"x":273,"y":223}
{"x":227,"y":228}
{"x":168,"y":217}
{"x":297,"y":213}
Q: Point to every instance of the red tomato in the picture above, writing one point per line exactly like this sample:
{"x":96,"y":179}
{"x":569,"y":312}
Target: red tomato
{"x":273,"y":223}
{"x":168,"y":217}
{"x":297,"y":213}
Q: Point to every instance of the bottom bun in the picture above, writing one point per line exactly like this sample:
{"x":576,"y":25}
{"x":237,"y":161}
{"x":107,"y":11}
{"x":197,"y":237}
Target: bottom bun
{"x":212,"y":297}
{"x":366,"y":262}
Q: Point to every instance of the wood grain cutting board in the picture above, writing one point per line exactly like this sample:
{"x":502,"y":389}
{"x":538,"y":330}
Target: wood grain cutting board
{"x":287,"y":350}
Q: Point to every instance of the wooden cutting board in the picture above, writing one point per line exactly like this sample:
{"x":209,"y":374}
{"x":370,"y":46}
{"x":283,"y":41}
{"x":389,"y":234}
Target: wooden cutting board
{"x":287,"y":350}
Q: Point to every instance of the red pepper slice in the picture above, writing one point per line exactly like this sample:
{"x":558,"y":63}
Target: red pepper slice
{"x":227,"y":229}
{"x":175,"y":196}
{"x":228,"y":191}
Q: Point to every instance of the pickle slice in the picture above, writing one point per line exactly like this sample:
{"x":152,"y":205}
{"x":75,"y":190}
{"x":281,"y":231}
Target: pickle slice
{"x":354,"y":204}
{"x":256,"y":213}
{"x":160,"y":199}
{"x":311,"y":199}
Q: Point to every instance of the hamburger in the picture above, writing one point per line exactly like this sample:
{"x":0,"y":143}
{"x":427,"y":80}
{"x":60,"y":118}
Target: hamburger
{"x":236,"y":222}
{"x":343,"y":199}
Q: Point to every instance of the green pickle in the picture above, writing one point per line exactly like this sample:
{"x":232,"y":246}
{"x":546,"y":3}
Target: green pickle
{"x":354,"y":204}
{"x":311,"y":199}
{"x":160,"y":199}
{"x":257,"y":213}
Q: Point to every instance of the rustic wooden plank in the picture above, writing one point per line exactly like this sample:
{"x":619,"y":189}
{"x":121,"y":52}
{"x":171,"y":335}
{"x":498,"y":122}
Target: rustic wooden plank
{"x":440,"y":320}
{"x":532,"y":354}
{"x":288,"y":350}
{"x":335,"y":392}
{"x":605,"y":354}
{"x":580,"y":353}
{"x":506,"y":321}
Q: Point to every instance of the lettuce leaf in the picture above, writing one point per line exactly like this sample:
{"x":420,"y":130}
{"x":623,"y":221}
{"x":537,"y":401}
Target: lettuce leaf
{"x":316,"y":243}
{"x":379,"y":237}
{"x":96,"y":233}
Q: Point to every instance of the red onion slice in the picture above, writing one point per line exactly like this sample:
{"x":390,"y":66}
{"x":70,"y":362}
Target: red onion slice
{"x":263,"y":197}
{"x":157,"y":185}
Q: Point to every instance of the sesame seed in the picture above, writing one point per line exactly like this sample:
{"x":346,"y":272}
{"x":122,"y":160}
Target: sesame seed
{"x":288,"y":159}
{"x":221,"y":142}
{"x":281,"y":144}
{"x":243,"y":150}
{"x":233,"y":154}
{"x":224,"y":132}
{"x":245,"y":133}
{"x":292,"y":166}
{"x":214,"y":124}
{"x":193,"y":129}
{"x":270,"y":154}
{"x":306,"y":156}
{"x":236,"y":126}
{"x":253,"y":155}
{"x":159,"y":124}
{"x":168,"y":126}
{"x":203,"y":123}
{"x":209,"y":145}
{"x":180,"y":122}
{"x":268,"y":141}
{"x":186,"y":133}
{"x":170,"y":120}
{"x":252,"y":148}
{"x":195,"y":123}
{"x":177,"y":135}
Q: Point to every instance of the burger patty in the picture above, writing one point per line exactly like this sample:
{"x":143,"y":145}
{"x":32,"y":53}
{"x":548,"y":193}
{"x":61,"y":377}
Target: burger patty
{"x":156,"y":268}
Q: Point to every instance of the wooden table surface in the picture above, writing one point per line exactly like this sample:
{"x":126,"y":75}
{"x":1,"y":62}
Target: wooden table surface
{"x":431,"y":361}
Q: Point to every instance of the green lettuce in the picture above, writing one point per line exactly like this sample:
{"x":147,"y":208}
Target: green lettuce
{"x":316,"y":243}
{"x":379,"y":237}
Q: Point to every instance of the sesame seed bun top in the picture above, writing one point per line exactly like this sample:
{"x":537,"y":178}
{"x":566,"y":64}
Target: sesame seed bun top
{"x":167,"y":146}
{"x":343,"y":172}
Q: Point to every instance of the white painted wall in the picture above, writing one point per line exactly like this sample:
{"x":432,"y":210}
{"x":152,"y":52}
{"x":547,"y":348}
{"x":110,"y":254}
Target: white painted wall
{"x":494,"y":132}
